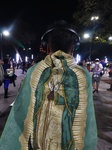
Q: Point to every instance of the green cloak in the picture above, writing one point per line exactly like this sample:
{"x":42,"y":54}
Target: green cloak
{"x":78,"y":123}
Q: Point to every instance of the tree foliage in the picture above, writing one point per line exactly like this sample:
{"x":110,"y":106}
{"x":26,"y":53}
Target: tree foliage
{"x":88,"y":8}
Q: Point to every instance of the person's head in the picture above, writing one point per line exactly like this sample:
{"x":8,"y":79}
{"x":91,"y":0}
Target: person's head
{"x":61,"y":36}
{"x":97,"y":60}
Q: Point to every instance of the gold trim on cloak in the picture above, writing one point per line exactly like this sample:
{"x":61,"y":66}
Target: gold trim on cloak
{"x":28,"y":123}
{"x":80,"y":117}
{"x":79,"y":123}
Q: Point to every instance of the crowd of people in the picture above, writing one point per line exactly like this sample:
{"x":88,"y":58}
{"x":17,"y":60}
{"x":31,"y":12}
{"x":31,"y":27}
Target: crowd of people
{"x":98,"y":69}
{"x":7,"y":70}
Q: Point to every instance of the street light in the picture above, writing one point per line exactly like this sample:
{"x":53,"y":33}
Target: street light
{"x":86,"y":35}
{"x":5,"y":33}
{"x":110,"y":38}
{"x":94,"y":18}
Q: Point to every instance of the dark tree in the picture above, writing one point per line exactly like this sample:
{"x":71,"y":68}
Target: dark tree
{"x":88,"y":8}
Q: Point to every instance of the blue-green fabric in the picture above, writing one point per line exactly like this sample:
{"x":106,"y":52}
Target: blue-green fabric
{"x":90,"y":140}
{"x":15,"y":123}
{"x":70,"y":83}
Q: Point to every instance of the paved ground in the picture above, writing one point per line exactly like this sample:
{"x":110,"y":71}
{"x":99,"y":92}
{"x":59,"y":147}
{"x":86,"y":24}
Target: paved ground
{"x":102,"y":103}
{"x":103,"y":110}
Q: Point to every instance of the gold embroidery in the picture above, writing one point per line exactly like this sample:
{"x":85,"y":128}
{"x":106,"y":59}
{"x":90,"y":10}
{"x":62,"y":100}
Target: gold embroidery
{"x":49,"y":124}
{"x":28,"y":123}
{"x":80,"y":118}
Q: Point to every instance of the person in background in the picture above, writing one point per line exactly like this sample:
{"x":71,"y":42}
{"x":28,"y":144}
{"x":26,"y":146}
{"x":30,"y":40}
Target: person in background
{"x":23,"y":66}
{"x":96,"y":77}
{"x":54,"y":107}
{"x":82,"y":63}
{"x":14,"y":76}
{"x":110,"y":75}
{"x":104,"y":70}
{"x":39,"y":57}
{"x":12,"y":64}
{"x":1,"y":73}
{"x":88,"y":65}
{"x":6,"y":81}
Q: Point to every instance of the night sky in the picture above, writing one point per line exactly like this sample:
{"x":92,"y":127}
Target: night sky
{"x":37,"y":13}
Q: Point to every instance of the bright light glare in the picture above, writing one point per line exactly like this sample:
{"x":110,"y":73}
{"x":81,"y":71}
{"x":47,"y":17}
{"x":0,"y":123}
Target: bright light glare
{"x":32,"y":56}
{"x":6,"y":33}
{"x":94,"y":17}
{"x":78,"y":58}
{"x":86,"y":36}
{"x":110,"y":38}
{"x":96,"y":37}
{"x":26,"y":58}
{"x":17,"y":57}
{"x":106,"y":60}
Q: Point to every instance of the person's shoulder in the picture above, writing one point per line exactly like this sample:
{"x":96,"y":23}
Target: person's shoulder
{"x":29,"y":72}
{"x":81,"y":68}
